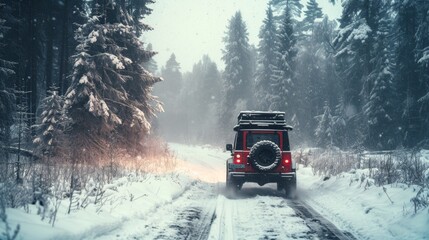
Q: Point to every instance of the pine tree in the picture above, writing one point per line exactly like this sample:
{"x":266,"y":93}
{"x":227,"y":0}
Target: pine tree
{"x":312,"y":13}
{"x":110,"y":89}
{"x":238,"y":69}
{"x":294,"y":6}
{"x":267,"y":60}
{"x":169,"y":92}
{"x":284,"y":79}
{"x":208,"y":85}
{"x":172,"y":79}
{"x":51,"y":124}
{"x":354,"y":44}
{"x":208,"y":98}
{"x":379,"y":109}
{"x":310,"y":64}
{"x":340,"y":138}
{"x":324,"y":130}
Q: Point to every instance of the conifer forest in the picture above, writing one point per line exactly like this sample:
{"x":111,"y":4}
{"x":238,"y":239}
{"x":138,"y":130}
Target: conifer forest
{"x":82,"y":97}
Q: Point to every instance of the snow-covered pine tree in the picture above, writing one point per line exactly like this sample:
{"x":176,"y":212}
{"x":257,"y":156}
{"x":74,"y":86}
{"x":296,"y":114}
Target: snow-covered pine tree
{"x":283,"y":84}
{"x":312,"y":13}
{"x":354,"y":44}
{"x":340,"y":138}
{"x":294,"y":6}
{"x":267,"y":60}
{"x":238,"y":69}
{"x":139,"y":9}
{"x":324,"y":130}
{"x":379,"y":109}
{"x":110,"y":88}
{"x":50,"y":125}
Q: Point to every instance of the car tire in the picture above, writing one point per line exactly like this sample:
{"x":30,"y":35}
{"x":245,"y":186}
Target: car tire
{"x":290,"y":189}
{"x":265,"y":155}
{"x":280,"y":186}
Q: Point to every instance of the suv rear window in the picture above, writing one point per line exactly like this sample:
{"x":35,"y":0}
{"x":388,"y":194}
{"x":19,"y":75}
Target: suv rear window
{"x":286,"y":146}
{"x":253,"y":138}
{"x":239,"y":141}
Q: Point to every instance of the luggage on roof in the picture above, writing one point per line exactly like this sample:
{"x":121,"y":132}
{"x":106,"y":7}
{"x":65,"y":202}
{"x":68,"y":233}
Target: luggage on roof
{"x":261,"y":120}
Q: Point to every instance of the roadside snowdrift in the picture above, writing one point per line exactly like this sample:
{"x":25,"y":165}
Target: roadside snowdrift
{"x":125,"y":199}
{"x":353,"y":203}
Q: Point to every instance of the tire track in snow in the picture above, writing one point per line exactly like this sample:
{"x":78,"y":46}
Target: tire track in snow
{"x":324,"y":228}
{"x":260,"y":216}
{"x":264,"y":213}
{"x":188,"y":217}
{"x":180,"y":218}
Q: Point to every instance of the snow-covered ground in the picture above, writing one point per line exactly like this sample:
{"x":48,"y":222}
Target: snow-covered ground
{"x":368,"y":212}
{"x":189,"y":203}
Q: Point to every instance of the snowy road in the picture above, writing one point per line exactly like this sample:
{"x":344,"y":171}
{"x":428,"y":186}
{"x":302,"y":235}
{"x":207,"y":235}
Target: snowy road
{"x":203,"y":212}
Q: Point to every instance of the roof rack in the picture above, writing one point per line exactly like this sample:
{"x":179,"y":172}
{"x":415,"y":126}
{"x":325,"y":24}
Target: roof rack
{"x":261,"y":120}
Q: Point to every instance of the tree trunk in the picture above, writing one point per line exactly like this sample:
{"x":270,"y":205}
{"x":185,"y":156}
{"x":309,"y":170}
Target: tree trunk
{"x":64,"y":53}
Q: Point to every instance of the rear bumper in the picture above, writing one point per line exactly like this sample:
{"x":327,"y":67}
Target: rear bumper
{"x":261,"y":178}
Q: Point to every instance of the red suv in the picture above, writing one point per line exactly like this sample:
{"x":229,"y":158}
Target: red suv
{"x":261,"y":152}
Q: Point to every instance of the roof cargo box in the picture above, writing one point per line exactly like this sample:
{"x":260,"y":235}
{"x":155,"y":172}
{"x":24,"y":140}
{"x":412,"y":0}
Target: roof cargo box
{"x":261,"y":120}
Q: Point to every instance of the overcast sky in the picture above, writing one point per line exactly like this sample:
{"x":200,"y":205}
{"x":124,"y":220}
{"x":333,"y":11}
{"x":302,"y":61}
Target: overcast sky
{"x":192,"y":28}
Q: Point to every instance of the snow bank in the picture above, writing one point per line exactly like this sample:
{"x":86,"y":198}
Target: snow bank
{"x":353,"y":203}
{"x":124,"y":199}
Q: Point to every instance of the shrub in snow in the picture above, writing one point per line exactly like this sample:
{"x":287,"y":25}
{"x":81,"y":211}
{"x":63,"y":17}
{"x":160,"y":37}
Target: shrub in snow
{"x":15,"y":194}
{"x":332,"y":162}
{"x":421,"y":200}
{"x":412,"y":168}
{"x":387,"y":171}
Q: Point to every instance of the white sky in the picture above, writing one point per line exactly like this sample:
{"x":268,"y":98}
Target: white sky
{"x":192,"y":28}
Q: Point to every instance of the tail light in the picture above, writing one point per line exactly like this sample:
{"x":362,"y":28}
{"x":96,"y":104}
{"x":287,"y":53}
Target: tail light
{"x":287,"y":159}
{"x":238,"y":159}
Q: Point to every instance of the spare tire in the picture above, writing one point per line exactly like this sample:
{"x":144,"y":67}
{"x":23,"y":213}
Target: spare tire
{"x":265,"y":155}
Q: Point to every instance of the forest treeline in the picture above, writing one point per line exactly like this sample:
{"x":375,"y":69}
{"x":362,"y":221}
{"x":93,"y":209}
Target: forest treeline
{"x":361,"y":82}
{"x":73,"y":77}
{"x":77,"y":79}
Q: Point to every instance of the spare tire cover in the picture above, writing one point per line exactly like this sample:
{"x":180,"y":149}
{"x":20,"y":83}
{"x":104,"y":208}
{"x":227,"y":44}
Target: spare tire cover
{"x":265,"y":155}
